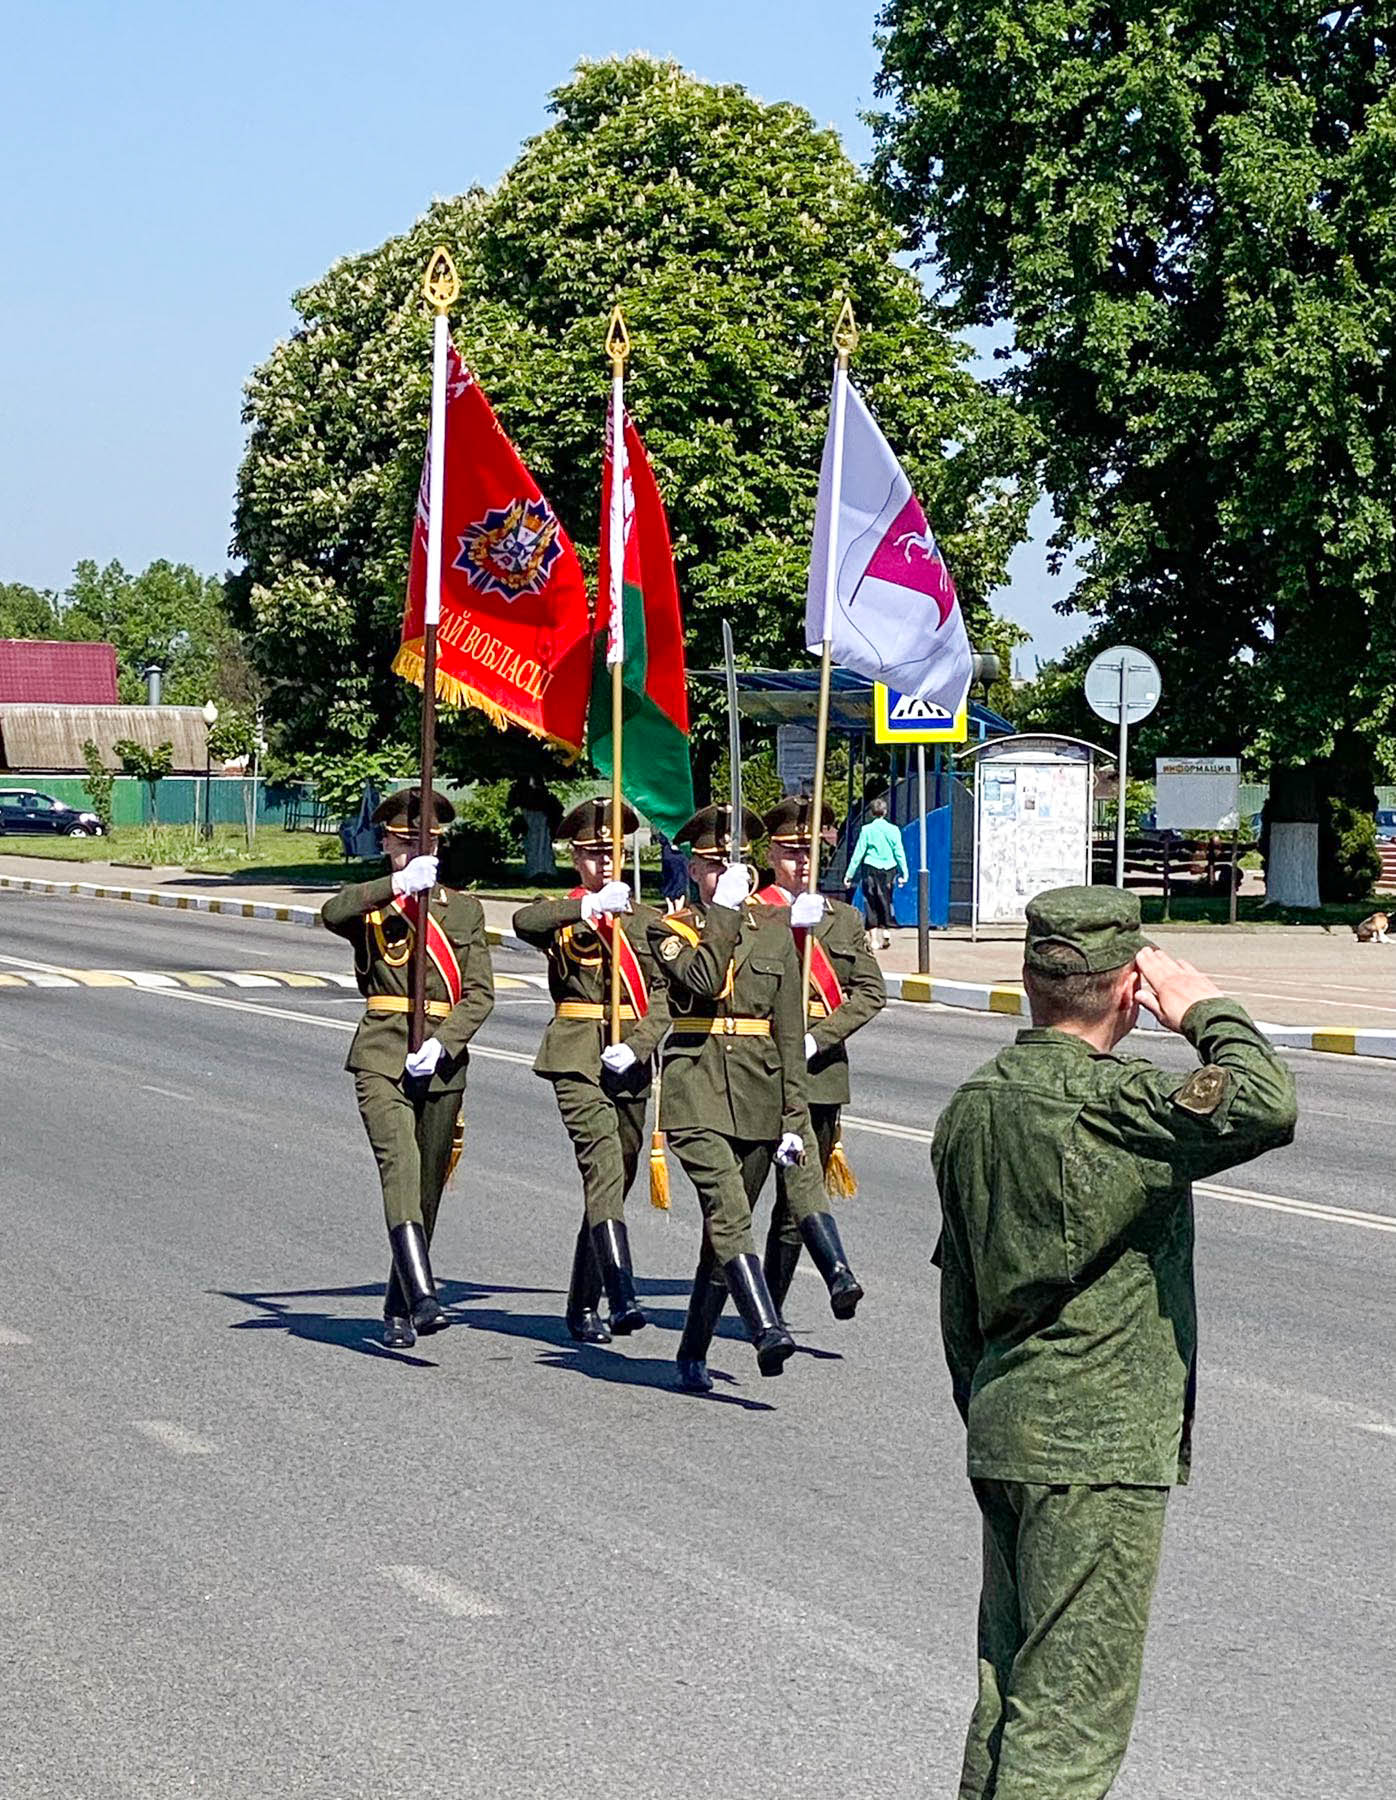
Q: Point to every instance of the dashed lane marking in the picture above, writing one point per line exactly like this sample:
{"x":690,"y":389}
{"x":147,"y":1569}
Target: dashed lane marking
{"x":439,"y":1591}
{"x":10,"y":1339}
{"x":174,"y":1438}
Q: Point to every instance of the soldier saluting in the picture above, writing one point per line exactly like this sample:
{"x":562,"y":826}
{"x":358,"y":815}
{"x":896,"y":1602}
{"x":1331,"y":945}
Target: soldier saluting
{"x":410,"y":1103}
{"x":846,"y":991}
{"x":602,"y":1089}
{"x":1070,"y":1321}
{"x":733,"y":1094}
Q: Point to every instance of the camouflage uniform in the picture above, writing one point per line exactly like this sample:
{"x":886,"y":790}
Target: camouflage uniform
{"x":1069,"y":1323}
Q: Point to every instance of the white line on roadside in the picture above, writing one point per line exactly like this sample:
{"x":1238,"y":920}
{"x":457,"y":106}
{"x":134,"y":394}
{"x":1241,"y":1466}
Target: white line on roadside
{"x":10,"y":1339}
{"x":149,"y":1087}
{"x":174,"y":1437}
{"x":439,"y":1591}
{"x":916,"y":1134}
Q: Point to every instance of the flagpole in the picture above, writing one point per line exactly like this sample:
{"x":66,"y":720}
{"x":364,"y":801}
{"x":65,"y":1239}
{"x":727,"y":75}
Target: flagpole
{"x":618,"y":349}
{"x":845,"y":343}
{"x":441,"y":286}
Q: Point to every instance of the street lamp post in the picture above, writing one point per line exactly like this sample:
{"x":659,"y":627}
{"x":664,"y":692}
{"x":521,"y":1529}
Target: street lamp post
{"x":210,"y":720}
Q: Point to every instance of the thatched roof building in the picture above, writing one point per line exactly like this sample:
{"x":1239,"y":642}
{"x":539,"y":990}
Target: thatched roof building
{"x":48,"y":740}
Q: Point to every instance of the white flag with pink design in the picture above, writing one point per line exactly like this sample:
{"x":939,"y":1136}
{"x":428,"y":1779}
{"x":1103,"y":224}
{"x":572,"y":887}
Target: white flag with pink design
{"x":890,"y":612}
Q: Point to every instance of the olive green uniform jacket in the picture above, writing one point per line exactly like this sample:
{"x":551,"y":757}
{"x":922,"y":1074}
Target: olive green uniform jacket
{"x":844,"y":938}
{"x":579,"y":970}
{"x":381,"y":939}
{"x":1067,"y":1303}
{"x":752,"y":1088}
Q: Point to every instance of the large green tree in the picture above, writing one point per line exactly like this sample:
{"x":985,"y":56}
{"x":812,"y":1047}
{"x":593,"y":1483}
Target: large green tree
{"x":1187,"y":217}
{"x":727,"y":228}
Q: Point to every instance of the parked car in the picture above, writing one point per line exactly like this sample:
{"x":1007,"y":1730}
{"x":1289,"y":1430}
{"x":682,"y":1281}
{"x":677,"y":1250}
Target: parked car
{"x":27,"y":810}
{"x":1386,"y":825}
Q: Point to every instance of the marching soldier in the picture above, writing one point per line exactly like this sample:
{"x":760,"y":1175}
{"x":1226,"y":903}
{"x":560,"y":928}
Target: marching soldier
{"x":410,"y":1103}
{"x":846,"y":991}
{"x":1069,"y":1320}
{"x":733,"y":1094}
{"x":601,"y":1092}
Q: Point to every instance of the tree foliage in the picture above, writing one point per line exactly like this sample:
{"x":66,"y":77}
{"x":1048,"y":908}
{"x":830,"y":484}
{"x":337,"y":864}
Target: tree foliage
{"x":727,"y":228}
{"x":1188,"y":216}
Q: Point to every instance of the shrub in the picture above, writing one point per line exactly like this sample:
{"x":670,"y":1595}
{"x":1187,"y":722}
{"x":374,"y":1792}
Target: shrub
{"x":1349,"y":861}
{"x":99,"y":783}
{"x":483,"y":838}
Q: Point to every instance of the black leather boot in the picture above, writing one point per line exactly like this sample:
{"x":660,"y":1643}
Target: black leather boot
{"x":747,"y":1286}
{"x":613,"y":1253}
{"x":821,"y":1237}
{"x":779,"y":1266}
{"x":583,"y":1321}
{"x":397,"y":1326}
{"x":414,"y":1276}
{"x":705,"y":1306}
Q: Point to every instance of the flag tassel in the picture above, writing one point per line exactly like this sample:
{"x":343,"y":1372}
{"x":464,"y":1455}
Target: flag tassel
{"x":840,"y":1183}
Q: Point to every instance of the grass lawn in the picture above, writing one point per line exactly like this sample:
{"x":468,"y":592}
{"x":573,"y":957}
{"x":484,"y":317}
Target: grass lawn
{"x":1252,"y":911}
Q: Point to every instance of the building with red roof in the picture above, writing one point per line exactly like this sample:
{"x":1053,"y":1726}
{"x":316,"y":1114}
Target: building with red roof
{"x":35,"y":672}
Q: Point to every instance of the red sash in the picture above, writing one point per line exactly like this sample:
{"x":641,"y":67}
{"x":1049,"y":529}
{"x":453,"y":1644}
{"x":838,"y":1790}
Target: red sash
{"x":823,"y":978}
{"x":611,"y":932}
{"x":439,"y":947}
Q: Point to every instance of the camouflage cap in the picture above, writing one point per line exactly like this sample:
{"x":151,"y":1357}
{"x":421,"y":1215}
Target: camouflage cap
{"x":1082,"y":931}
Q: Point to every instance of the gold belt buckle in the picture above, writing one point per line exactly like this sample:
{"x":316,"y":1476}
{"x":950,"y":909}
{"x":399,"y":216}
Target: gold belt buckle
{"x":729,"y":1026}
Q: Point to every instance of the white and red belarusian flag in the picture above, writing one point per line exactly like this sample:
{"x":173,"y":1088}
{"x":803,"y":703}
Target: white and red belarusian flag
{"x":887,"y":604}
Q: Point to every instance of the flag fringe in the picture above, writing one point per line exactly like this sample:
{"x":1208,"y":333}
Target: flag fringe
{"x":659,"y":1173}
{"x":840,"y":1183}
{"x":410,"y":663}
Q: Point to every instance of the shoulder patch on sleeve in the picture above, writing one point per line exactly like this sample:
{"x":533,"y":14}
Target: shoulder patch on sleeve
{"x":670,"y":947}
{"x":1203,"y":1092}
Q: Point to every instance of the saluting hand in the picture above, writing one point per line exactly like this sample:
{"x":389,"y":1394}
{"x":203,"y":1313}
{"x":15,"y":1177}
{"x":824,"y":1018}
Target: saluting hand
{"x":417,"y":877}
{"x":1168,"y":986}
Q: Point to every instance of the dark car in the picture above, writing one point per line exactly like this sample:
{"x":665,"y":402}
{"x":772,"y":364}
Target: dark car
{"x":26,"y":810}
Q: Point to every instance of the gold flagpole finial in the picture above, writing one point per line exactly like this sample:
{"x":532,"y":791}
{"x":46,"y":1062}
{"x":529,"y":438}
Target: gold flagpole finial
{"x":441,"y":284}
{"x":846,"y":331}
{"x":617,"y":342}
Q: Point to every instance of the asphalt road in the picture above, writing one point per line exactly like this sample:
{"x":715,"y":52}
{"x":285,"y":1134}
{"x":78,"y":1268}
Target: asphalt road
{"x":244,"y":1550}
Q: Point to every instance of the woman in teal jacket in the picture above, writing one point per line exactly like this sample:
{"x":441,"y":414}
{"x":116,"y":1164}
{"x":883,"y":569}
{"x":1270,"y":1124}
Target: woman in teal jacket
{"x":879,"y":854}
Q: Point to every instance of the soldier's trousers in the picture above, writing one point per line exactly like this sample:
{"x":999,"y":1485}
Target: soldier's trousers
{"x":411,"y":1133}
{"x":800,"y":1190}
{"x":1068,"y":1577}
{"x":727,"y":1175}
{"x":607,"y":1132}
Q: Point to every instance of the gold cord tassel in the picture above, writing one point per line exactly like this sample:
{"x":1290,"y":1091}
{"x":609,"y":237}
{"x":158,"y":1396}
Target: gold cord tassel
{"x":457,"y":1145}
{"x":840,"y":1183}
{"x":659,"y":1173}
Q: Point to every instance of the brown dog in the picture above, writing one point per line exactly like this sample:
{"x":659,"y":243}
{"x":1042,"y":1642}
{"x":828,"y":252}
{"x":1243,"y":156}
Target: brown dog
{"x":1373,"y":929}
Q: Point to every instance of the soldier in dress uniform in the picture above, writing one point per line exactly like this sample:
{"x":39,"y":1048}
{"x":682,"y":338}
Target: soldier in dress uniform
{"x":411,"y":1103}
{"x":733,"y":1094}
{"x":846,"y":991}
{"x":1070,"y":1322}
{"x":602,"y":1089}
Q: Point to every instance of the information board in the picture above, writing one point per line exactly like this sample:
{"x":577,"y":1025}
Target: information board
{"x":1032,"y":825}
{"x":1197,"y":793}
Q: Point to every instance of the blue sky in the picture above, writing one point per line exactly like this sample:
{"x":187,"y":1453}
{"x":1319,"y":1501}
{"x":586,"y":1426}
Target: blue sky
{"x":173,"y":172}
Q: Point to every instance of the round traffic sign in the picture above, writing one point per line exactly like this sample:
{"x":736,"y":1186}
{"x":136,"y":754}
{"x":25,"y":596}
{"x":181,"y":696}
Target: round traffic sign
{"x":1127,"y":674}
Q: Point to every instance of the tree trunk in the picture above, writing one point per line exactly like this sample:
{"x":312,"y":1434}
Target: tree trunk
{"x":1291,"y":864}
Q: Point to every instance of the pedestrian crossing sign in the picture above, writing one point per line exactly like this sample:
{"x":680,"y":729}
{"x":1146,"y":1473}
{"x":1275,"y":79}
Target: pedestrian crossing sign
{"x":902,"y":719}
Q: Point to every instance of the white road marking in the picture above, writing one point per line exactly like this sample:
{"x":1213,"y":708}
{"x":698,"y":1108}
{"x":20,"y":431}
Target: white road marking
{"x":1335,"y":1215}
{"x":240,"y":981}
{"x":439,"y":1591}
{"x":149,"y":1087}
{"x":914,"y":1133}
{"x":1324,"y":1406}
{"x":10,"y":1339}
{"x":174,"y":1437}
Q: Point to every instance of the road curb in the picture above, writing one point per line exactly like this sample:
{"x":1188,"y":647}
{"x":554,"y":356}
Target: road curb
{"x":971,"y":996}
{"x":975,"y":996}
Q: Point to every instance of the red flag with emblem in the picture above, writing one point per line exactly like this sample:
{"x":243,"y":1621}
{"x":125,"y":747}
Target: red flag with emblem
{"x":515,"y":632}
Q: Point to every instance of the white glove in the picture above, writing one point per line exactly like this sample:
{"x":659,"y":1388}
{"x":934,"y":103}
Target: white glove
{"x":790,"y":1149}
{"x":733,"y":886}
{"x":613,"y":897}
{"x":807,"y":909}
{"x":423,"y":1062}
{"x":618,"y":1059}
{"x":419,"y":877}
{"x":811,"y":1048}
